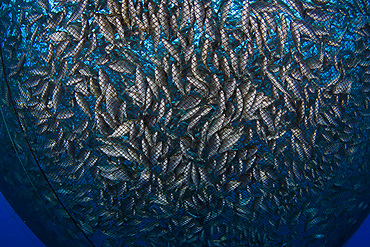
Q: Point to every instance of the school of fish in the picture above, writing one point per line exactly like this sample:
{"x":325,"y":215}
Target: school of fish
{"x":196,"y":122}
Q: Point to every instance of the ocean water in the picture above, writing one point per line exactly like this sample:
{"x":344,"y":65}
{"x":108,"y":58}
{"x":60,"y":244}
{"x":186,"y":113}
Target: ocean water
{"x":361,"y":237}
{"x":13,"y":231}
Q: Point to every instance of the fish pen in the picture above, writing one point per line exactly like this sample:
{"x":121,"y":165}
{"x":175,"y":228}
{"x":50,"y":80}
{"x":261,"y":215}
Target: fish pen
{"x":186,"y":122}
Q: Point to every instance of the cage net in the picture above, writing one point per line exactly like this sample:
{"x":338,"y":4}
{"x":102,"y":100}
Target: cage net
{"x":186,"y":122}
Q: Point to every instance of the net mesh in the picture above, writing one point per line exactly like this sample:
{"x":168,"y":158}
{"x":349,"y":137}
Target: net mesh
{"x":186,"y":123}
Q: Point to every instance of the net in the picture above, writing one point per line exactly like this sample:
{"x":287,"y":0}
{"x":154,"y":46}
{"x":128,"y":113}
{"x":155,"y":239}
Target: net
{"x":186,"y":123}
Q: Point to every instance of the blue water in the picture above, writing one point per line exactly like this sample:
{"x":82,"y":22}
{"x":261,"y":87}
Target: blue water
{"x":362,"y":237}
{"x":13,"y":231}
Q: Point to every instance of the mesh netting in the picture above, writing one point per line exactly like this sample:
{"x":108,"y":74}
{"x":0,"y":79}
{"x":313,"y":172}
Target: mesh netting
{"x":186,"y":123}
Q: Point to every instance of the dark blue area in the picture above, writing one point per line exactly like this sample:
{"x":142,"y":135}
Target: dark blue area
{"x":13,"y":231}
{"x":362,"y":237}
